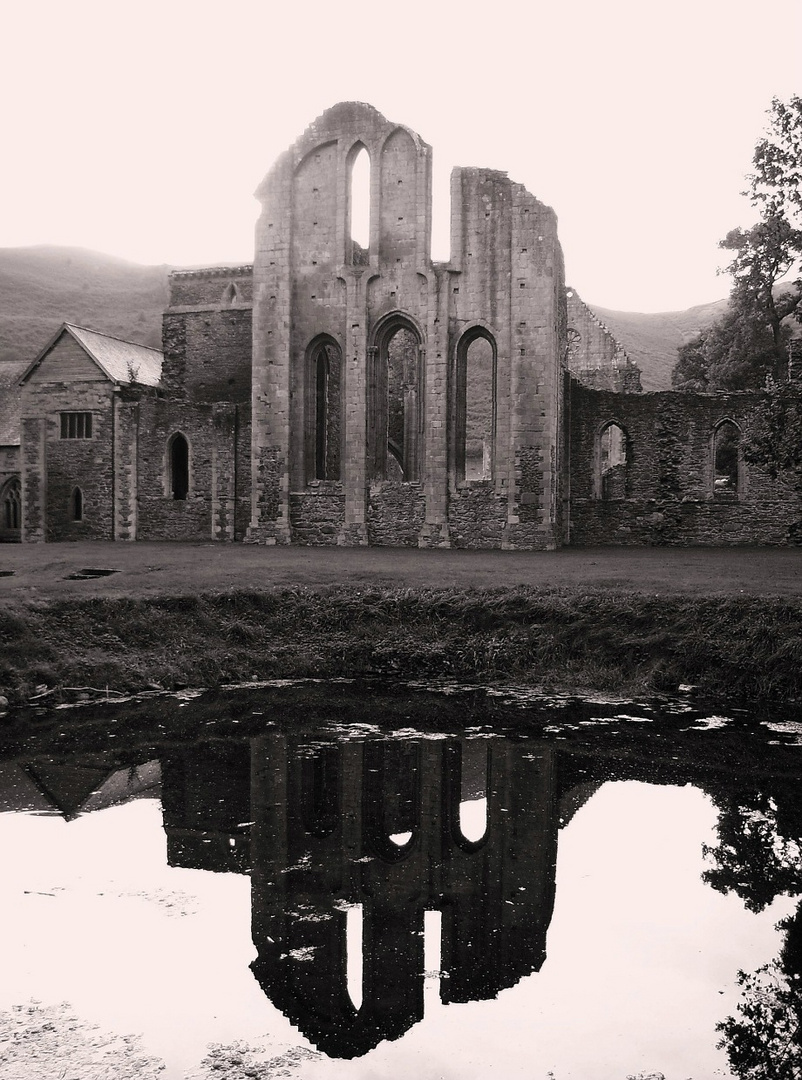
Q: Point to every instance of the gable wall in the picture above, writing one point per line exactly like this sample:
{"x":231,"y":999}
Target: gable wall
{"x":506,"y":275}
{"x":52,"y":467}
{"x":66,"y":362}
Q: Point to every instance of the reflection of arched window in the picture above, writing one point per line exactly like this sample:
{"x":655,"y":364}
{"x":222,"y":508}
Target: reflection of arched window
{"x":77,"y":505}
{"x":613,"y":462}
{"x":474,"y":767}
{"x":359,"y":205}
{"x":396,"y":425}
{"x":475,"y":406}
{"x":391,"y":808}
{"x":320,"y":773}
{"x":726,"y":441}
{"x":12,"y":505}
{"x":178,"y":453}
{"x":325,"y":406}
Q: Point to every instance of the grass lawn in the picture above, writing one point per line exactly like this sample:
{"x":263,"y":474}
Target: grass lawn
{"x":627,"y":621}
{"x":152,"y":569}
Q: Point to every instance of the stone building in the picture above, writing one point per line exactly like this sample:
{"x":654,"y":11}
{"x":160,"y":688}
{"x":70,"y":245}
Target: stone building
{"x":338,"y":392}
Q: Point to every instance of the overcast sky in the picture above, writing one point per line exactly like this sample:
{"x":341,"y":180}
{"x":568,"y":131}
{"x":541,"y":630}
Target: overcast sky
{"x":142,"y":129}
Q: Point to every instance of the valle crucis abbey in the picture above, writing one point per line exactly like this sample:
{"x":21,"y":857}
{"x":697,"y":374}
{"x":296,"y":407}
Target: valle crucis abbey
{"x":337,"y":394}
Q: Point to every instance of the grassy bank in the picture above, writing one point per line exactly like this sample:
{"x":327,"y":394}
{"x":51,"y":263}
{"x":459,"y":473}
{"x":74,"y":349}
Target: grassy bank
{"x":556,"y":639}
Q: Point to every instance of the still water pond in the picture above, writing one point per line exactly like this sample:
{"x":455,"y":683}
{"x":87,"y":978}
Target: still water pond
{"x":361,"y":883}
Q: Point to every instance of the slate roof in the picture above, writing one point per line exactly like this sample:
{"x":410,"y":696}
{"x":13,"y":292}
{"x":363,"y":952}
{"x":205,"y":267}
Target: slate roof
{"x":11,"y":371}
{"x":117,"y":359}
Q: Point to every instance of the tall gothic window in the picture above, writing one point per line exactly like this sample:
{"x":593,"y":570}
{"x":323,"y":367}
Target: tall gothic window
{"x":397,"y":399}
{"x":325,"y":407}
{"x":475,"y":419}
{"x":613,"y":462}
{"x":726,"y":453}
{"x":359,"y":206}
{"x":178,"y":461}
{"x":12,"y":505}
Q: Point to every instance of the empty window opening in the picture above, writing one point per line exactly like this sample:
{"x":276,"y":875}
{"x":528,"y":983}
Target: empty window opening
{"x":475,"y":408}
{"x":613,"y":462}
{"x":725,"y":456}
{"x":77,"y":505}
{"x":179,"y":467}
{"x":12,"y":505}
{"x":326,"y":378}
{"x":354,"y":934}
{"x":230,"y":294}
{"x":403,"y":397}
{"x":76,"y":425}
{"x":360,"y":206}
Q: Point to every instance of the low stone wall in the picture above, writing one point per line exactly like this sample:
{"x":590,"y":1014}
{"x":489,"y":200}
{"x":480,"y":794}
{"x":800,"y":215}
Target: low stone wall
{"x":396,"y":513}
{"x":317,"y":515}
{"x":477,"y":515}
{"x":666,"y":492}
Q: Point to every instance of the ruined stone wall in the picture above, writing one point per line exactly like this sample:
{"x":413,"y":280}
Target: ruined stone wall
{"x":216,"y":506}
{"x":205,"y":397}
{"x":594,"y":357}
{"x":504,"y":283}
{"x":666,"y":492}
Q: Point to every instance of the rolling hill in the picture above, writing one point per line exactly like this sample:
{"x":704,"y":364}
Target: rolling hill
{"x":41,"y":287}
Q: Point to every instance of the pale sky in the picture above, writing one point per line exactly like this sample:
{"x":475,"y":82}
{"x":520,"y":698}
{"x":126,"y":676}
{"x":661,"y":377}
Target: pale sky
{"x":142,"y":129}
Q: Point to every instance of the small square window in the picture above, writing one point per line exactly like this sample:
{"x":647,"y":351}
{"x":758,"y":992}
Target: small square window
{"x":76,"y":425}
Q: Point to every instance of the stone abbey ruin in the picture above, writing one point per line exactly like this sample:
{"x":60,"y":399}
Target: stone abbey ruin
{"x":333,"y":393}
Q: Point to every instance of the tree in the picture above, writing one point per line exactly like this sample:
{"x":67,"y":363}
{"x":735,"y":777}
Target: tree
{"x":750,"y":342}
{"x":758,"y":858}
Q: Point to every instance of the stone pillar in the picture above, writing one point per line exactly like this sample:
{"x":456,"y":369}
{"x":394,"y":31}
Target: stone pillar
{"x":34,"y":479}
{"x":357,"y":359}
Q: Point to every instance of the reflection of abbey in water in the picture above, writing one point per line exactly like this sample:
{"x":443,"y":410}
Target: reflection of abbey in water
{"x":378,"y":824}
{"x":375,"y":825}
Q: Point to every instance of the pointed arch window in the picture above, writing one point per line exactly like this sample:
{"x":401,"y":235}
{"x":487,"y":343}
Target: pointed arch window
{"x":726,"y":460}
{"x":12,"y":505}
{"x":359,"y":205}
{"x":178,"y":466}
{"x":613,"y":458}
{"x":325,"y":411}
{"x":396,"y":426}
{"x":77,"y":504}
{"x":230,"y":295}
{"x":475,"y":411}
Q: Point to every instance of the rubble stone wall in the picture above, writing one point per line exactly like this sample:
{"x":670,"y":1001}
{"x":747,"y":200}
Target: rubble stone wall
{"x":668,"y":490}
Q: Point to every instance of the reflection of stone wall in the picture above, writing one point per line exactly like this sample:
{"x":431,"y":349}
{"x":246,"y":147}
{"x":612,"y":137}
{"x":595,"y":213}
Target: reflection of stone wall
{"x":206,"y":806}
{"x":324,"y":818}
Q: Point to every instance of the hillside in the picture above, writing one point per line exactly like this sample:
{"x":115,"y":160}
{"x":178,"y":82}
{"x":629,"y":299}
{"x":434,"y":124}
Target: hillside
{"x":652,"y":340}
{"x":41,"y":287}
